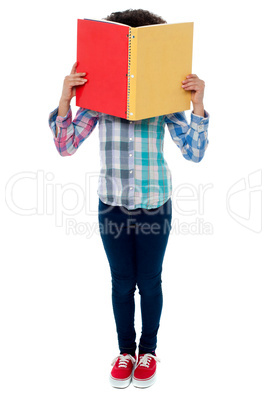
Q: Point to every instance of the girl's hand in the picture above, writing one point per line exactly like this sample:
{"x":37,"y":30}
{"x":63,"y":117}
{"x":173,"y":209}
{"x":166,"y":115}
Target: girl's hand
{"x":196,"y":86}
{"x":70,"y":83}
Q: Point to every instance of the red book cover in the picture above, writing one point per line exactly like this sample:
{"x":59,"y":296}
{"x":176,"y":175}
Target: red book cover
{"x":102,"y":52}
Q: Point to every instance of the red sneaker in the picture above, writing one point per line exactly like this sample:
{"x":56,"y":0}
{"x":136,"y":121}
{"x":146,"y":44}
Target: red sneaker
{"x":145,"y":371}
{"x":121,"y":373}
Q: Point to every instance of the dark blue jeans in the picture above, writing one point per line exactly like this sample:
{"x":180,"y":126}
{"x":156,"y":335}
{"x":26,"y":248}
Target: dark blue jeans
{"x":135,"y":242}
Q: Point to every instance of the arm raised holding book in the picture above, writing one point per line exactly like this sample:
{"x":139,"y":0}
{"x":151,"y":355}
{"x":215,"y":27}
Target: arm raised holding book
{"x":192,"y":139}
{"x":69,"y":90}
{"x":68,"y":134}
{"x":196,"y":86}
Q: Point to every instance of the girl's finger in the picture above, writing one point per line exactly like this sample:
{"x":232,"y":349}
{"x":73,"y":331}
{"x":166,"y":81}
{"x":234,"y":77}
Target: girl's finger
{"x":72,"y":79}
{"x":190,"y":87}
{"x":191,"y":83}
{"x":78,"y":82}
{"x":73,"y":70}
{"x":78,"y":74}
{"x":189,"y":79}
{"x":191,"y":75}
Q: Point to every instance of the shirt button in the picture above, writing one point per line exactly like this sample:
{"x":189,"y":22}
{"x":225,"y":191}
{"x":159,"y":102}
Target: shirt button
{"x":130,"y":155}
{"x":131,"y":138}
{"x":131,"y":171}
{"x":131,"y":188}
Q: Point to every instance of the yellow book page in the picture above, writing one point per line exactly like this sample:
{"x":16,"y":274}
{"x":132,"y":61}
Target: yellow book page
{"x":161,"y":59}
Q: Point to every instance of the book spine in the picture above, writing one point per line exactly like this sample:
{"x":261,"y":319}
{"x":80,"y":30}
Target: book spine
{"x":129,"y":71}
{"x":132,"y":69}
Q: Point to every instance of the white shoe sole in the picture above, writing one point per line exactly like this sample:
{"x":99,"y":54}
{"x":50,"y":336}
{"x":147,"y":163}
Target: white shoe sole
{"x":144,"y":383}
{"x":120,"y":383}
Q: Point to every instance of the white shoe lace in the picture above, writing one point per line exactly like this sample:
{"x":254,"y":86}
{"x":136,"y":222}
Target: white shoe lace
{"x":146,"y":359}
{"x":124,"y":360}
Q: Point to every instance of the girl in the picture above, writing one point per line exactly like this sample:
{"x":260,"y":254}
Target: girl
{"x":135,"y":207}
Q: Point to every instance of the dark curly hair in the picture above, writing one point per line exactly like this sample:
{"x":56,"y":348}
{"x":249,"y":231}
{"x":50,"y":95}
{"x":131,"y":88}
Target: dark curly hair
{"x":135,"y":18}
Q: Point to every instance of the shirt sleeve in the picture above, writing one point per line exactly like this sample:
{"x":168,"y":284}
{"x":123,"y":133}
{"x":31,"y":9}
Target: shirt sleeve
{"x":71,"y":134}
{"x":191,"y":139}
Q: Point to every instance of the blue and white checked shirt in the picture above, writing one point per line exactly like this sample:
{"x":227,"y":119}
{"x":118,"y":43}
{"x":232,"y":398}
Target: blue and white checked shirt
{"x":133,"y":172}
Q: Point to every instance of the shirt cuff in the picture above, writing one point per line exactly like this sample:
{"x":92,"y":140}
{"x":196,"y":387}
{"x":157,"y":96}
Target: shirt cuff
{"x":64,"y":122}
{"x":196,"y":118}
{"x":200,"y":123}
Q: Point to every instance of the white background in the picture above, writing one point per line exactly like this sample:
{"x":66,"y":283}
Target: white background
{"x":58,"y":335}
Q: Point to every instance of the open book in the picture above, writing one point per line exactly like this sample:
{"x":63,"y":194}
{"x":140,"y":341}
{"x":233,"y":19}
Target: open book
{"x":134,"y":73}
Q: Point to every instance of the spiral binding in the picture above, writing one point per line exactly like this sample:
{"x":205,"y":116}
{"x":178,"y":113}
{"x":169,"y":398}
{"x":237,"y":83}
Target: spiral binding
{"x":129,"y":72}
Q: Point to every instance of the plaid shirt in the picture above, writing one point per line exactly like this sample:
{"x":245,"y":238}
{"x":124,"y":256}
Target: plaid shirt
{"x":133,"y":173}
